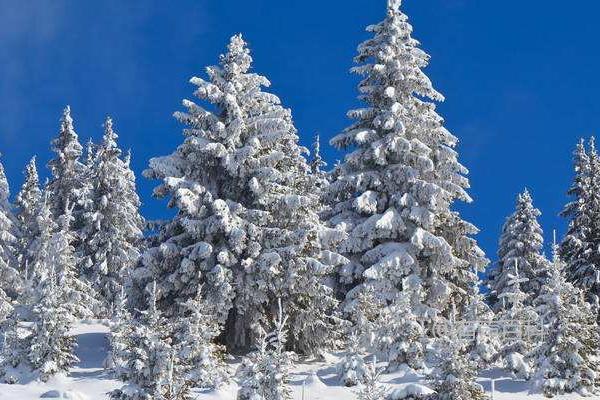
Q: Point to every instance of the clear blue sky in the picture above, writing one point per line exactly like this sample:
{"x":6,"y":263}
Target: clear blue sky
{"x":520,"y":79}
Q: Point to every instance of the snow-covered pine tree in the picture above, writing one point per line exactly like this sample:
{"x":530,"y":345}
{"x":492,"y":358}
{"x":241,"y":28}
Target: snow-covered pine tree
{"x":77,"y":295}
{"x":580,"y":248}
{"x":67,"y":170}
{"x":37,"y":268}
{"x":521,"y":245}
{"x":454,"y":377}
{"x":371,"y":389}
{"x":486,"y":342}
{"x":515,"y":312}
{"x":120,"y":328}
{"x":195,"y":342}
{"x":568,"y":360}
{"x":264,"y":373}
{"x":317,"y":164}
{"x":351,"y":369}
{"x":247,"y":227}
{"x":28,"y":203}
{"x":91,"y":151}
{"x":10,"y":280}
{"x":6,"y":308}
{"x":399,"y":333}
{"x":113,"y":225}
{"x":151,"y":370}
{"x":51,"y":348}
{"x":14,"y":348}
{"x":395,"y":190}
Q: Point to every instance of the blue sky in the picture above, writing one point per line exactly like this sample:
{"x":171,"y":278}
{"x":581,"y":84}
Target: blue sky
{"x":520,"y":80}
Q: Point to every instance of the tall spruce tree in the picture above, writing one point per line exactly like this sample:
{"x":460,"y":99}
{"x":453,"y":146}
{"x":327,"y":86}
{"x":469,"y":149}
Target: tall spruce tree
{"x":51,"y":348}
{"x":521,"y":246}
{"x":394,"y":192}
{"x":247,"y":228}
{"x":455,"y":376}
{"x":580,"y":248}
{"x":78,"y":296}
{"x":47,"y":307}
{"x":149,"y":367}
{"x":28,"y":203}
{"x":264,"y":374}
{"x":113,"y":226}
{"x":66,"y":182}
{"x":514,"y":311}
{"x":10,"y":280}
{"x":568,"y":360}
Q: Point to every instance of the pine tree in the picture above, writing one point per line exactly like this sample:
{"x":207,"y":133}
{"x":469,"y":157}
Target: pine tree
{"x":38,"y":266}
{"x":351,"y":369}
{"x":14,"y":348}
{"x":51,"y":349}
{"x":521,"y":246}
{"x":486,"y":343}
{"x":78,"y":297}
{"x":264,"y":373}
{"x":371,"y":389}
{"x":66,"y":168}
{"x":52,"y":251}
{"x":120,"y":329}
{"x":568,"y":360}
{"x":45,"y":311}
{"x":113,"y":225}
{"x":515,"y":312}
{"x":151,"y":369}
{"x":399,"y":331}
{"x":394,"y":192}
{"x":580,"y":248}
{"x":317,"y":164}
{"x":28,"y":204}
{"x":247,"y":228}
{"x":454,"y":378}
{"x":10,"y":281}
{"x":196,"y":334}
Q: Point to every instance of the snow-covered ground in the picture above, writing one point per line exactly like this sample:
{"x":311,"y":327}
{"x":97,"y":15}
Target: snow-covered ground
{"x":310,"y":381}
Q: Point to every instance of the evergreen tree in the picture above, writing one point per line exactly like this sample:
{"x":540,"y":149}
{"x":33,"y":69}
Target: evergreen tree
{"x":568,"y":360}
{"x":45,"y":311}
{"x":197,"y":331}
{"x":486,"y":343}
{"x":14,"y":348}
{"x":247,"y":228}
{"x":454,"y":378}
{"x":521,"y":246}
{"x":51,"y":349}
{"x":78,"y":297}
{"x":399,"y":333}
{"x":64,"y":187}
{"x":264,"y":373}
{"x":91,"y":152}
{"x":580,"y":248}
{"x":28,"y":204}
{"x":120,"y":329}
{"x":351,"y":369}
{"x":38,"y":266}
{"x":515,"y":312}
{"x":317,"y":164}
{"x":394,"y":192}
{"x":10,"y":281}
{"x":150,"y":370}
{"x":113,"y":225}
{"x":371,"y":389}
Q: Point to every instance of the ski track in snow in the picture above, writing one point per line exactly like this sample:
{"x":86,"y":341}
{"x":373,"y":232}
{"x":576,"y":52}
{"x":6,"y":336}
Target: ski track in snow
{"x":88,"y":381}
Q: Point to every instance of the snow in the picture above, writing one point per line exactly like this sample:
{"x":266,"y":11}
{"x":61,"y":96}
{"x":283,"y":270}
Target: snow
{"x":309,"y":380}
